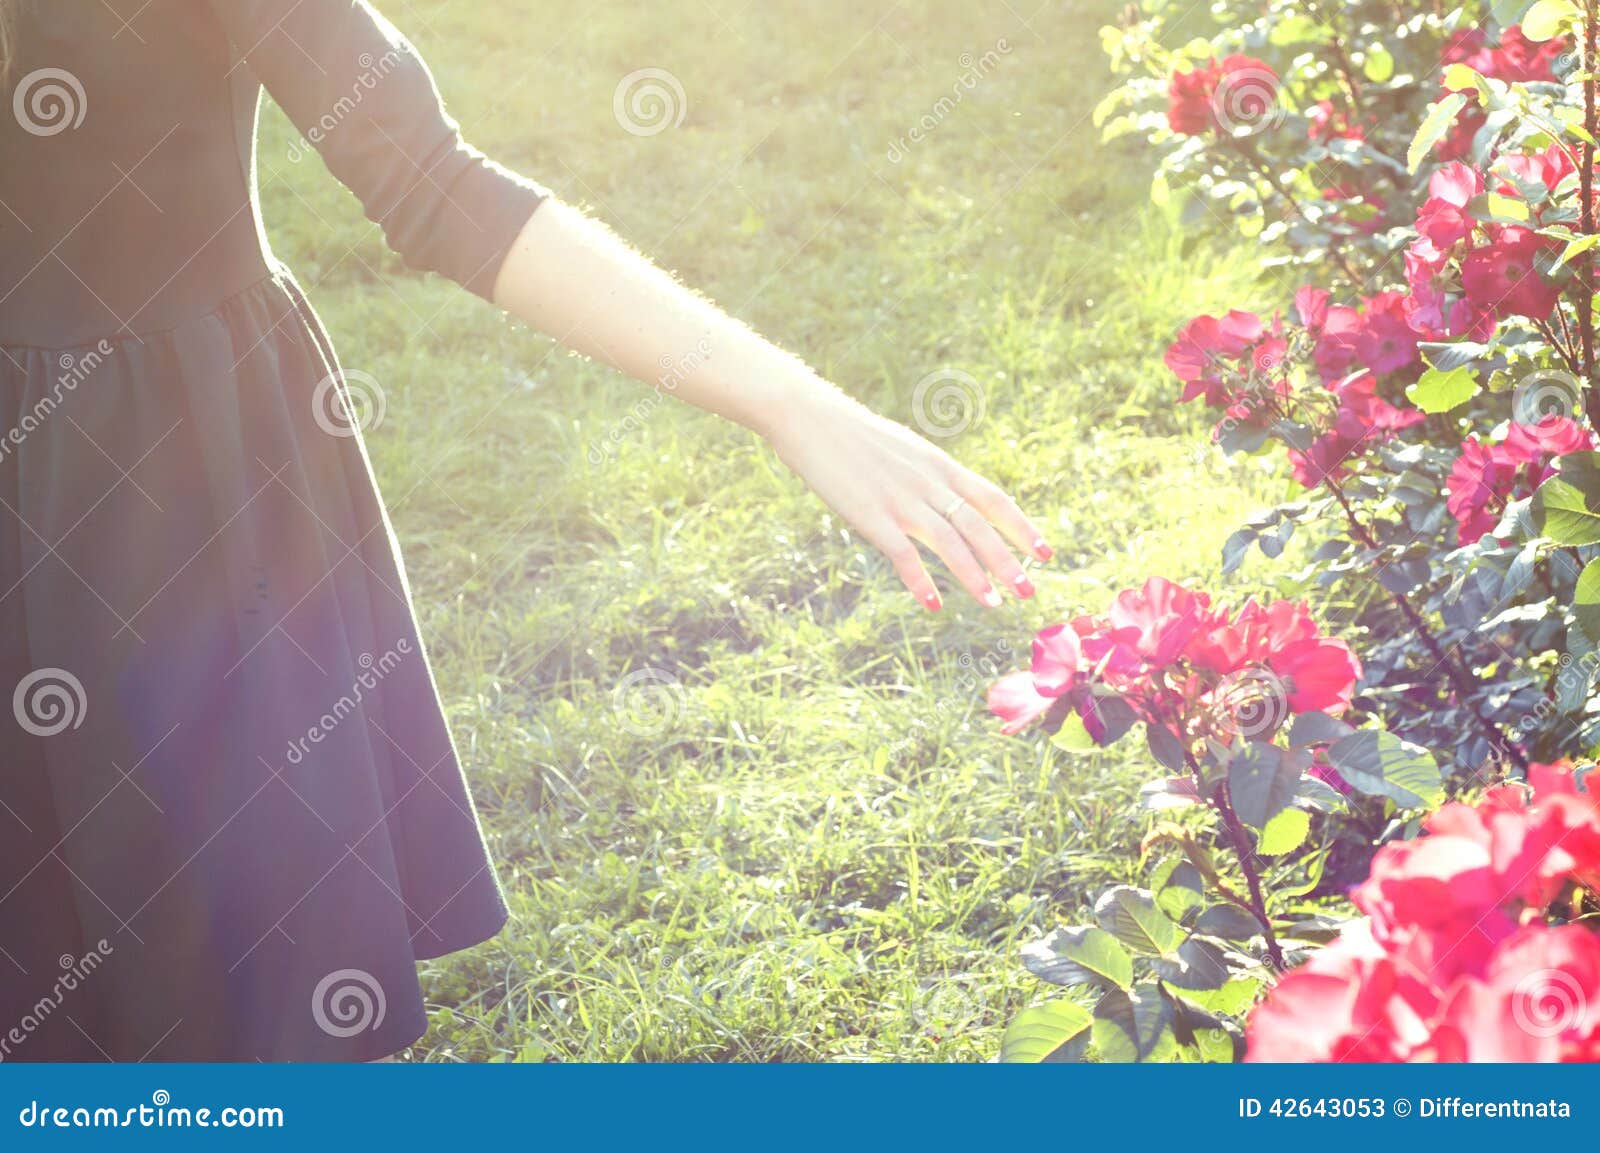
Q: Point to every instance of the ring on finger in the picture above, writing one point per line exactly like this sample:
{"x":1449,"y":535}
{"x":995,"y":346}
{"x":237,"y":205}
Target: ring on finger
{"x":954,"y":507}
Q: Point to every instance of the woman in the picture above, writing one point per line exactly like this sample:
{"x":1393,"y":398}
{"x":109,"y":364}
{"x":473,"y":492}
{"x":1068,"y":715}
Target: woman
{"x":232,"y":816}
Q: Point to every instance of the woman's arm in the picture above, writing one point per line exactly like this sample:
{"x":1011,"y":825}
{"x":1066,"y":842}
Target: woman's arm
{"x":361,"y":94}
{"x":572,"y":278}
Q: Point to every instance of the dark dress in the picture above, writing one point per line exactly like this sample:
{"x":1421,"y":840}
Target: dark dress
{"x":231,"y":816}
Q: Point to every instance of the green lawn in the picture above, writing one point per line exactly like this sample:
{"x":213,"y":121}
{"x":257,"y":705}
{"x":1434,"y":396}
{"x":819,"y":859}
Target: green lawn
{"x":816,"y":847}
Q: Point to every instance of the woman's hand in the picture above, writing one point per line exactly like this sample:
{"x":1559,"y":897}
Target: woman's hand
{"x":895,"y":489}
{"x":570,"y":277}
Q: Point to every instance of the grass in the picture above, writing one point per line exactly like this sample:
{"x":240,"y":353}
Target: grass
{"x":798,"y":837}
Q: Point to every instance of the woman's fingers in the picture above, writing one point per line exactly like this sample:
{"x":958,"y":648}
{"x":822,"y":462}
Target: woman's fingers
{"x":940,"y":535}
{"x":902,"y":552}
{"x":961,"y":517}
{"x":986,"y":542}
{"x":1001,"y":511}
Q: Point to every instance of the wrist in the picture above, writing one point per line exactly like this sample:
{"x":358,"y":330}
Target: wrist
{"x":797,"y":401}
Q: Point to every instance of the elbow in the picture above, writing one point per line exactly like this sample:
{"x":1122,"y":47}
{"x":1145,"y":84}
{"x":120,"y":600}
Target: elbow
{"x":458,"y":215}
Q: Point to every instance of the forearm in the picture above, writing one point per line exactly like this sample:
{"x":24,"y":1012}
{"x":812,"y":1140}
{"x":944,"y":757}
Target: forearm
{"x":572,"y":278}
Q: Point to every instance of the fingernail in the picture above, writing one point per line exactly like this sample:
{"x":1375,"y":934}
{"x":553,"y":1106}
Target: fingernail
{"x":1042,"y":550}
{"x":991,"y":598}
{"x":933,"y":602}
{"x":1023,"y":585}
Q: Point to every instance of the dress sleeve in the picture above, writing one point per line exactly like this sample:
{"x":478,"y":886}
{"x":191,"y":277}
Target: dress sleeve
{"x":359,"y":92}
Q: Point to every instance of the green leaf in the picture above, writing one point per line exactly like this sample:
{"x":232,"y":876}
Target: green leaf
{"x":1440,"y":390}
{"x":1321,"y":927}
{"x":1460,"y":77}
{"x":1165,"y":747}
{"x":1079,"y":956}
{"x":1566,"y":508}
{"x":1215,"y":1046}
{"x":1290,"y":27}
{"x":1433,"y":129}
{"x":1571,"y":120}
{"x":1317,"y":796}
{"x":1109,"y":103}
{"x":1114,"y":715}
{"x":1262,"y":780}
{"x":1509,"y":12}
{"x":1379,"y":65}
{"x":1573,"y":680}
{"x":1233,"y":998}
{"x":1133,"y":1026}
{"x":1445,"y":355}
{"x":1160,"y":190}
{"x":1315,"y":866}
{"x":1573,"y":250}
{"x":1317,"y":729}
{"x":1380,"y":764}
{"x":1586,"y":601}
{"x":1495,"y":208}
{"x":1198,"y":964}
{"x":1229,"y":922}
{"x":1236,"y":548}
{"x":1182,"y":893}
{"x":1212,"y":1037}
{"x":1170,"y":793}
{"x":1284,"y":833}
{"x":1132,"y":917}
{"x":1547,"y":18}
{"x":1039,"y":1033}
{"x":1073,"y":736}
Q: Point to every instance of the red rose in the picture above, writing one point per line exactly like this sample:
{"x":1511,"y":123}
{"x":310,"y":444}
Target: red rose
{"x":1163,"y":649}
{"x":1444,"y":220}
{"x":1364,"y":419}
{"x":1321,"y":674}
{"x":1347,"y":1003}
{"x":1536,"y":1001}
{"x":1238,"y":92}
{"x":1205,"y":351}
{"x":1501,"y":277}
{"x":1520,"y":60}
{"x":1486,"y":478}
{"x":1189,"y":99}
{"x":1455,"y":961}
{"x":1386,"y":342}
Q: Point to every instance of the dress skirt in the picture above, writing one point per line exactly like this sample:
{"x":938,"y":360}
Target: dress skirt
{"x":233,"y":818}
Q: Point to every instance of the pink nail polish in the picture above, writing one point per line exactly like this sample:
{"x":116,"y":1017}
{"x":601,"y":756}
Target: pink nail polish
{"x":1023,"y":585}
{"x":1042,"y":550}
{"x":933,"y":602}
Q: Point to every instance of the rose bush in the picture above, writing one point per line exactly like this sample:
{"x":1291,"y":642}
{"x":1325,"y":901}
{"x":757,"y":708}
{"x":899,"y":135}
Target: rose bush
{"x":1244,"y":708}
{"x":1459,"y":957}
{"x":1423,"y":183}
